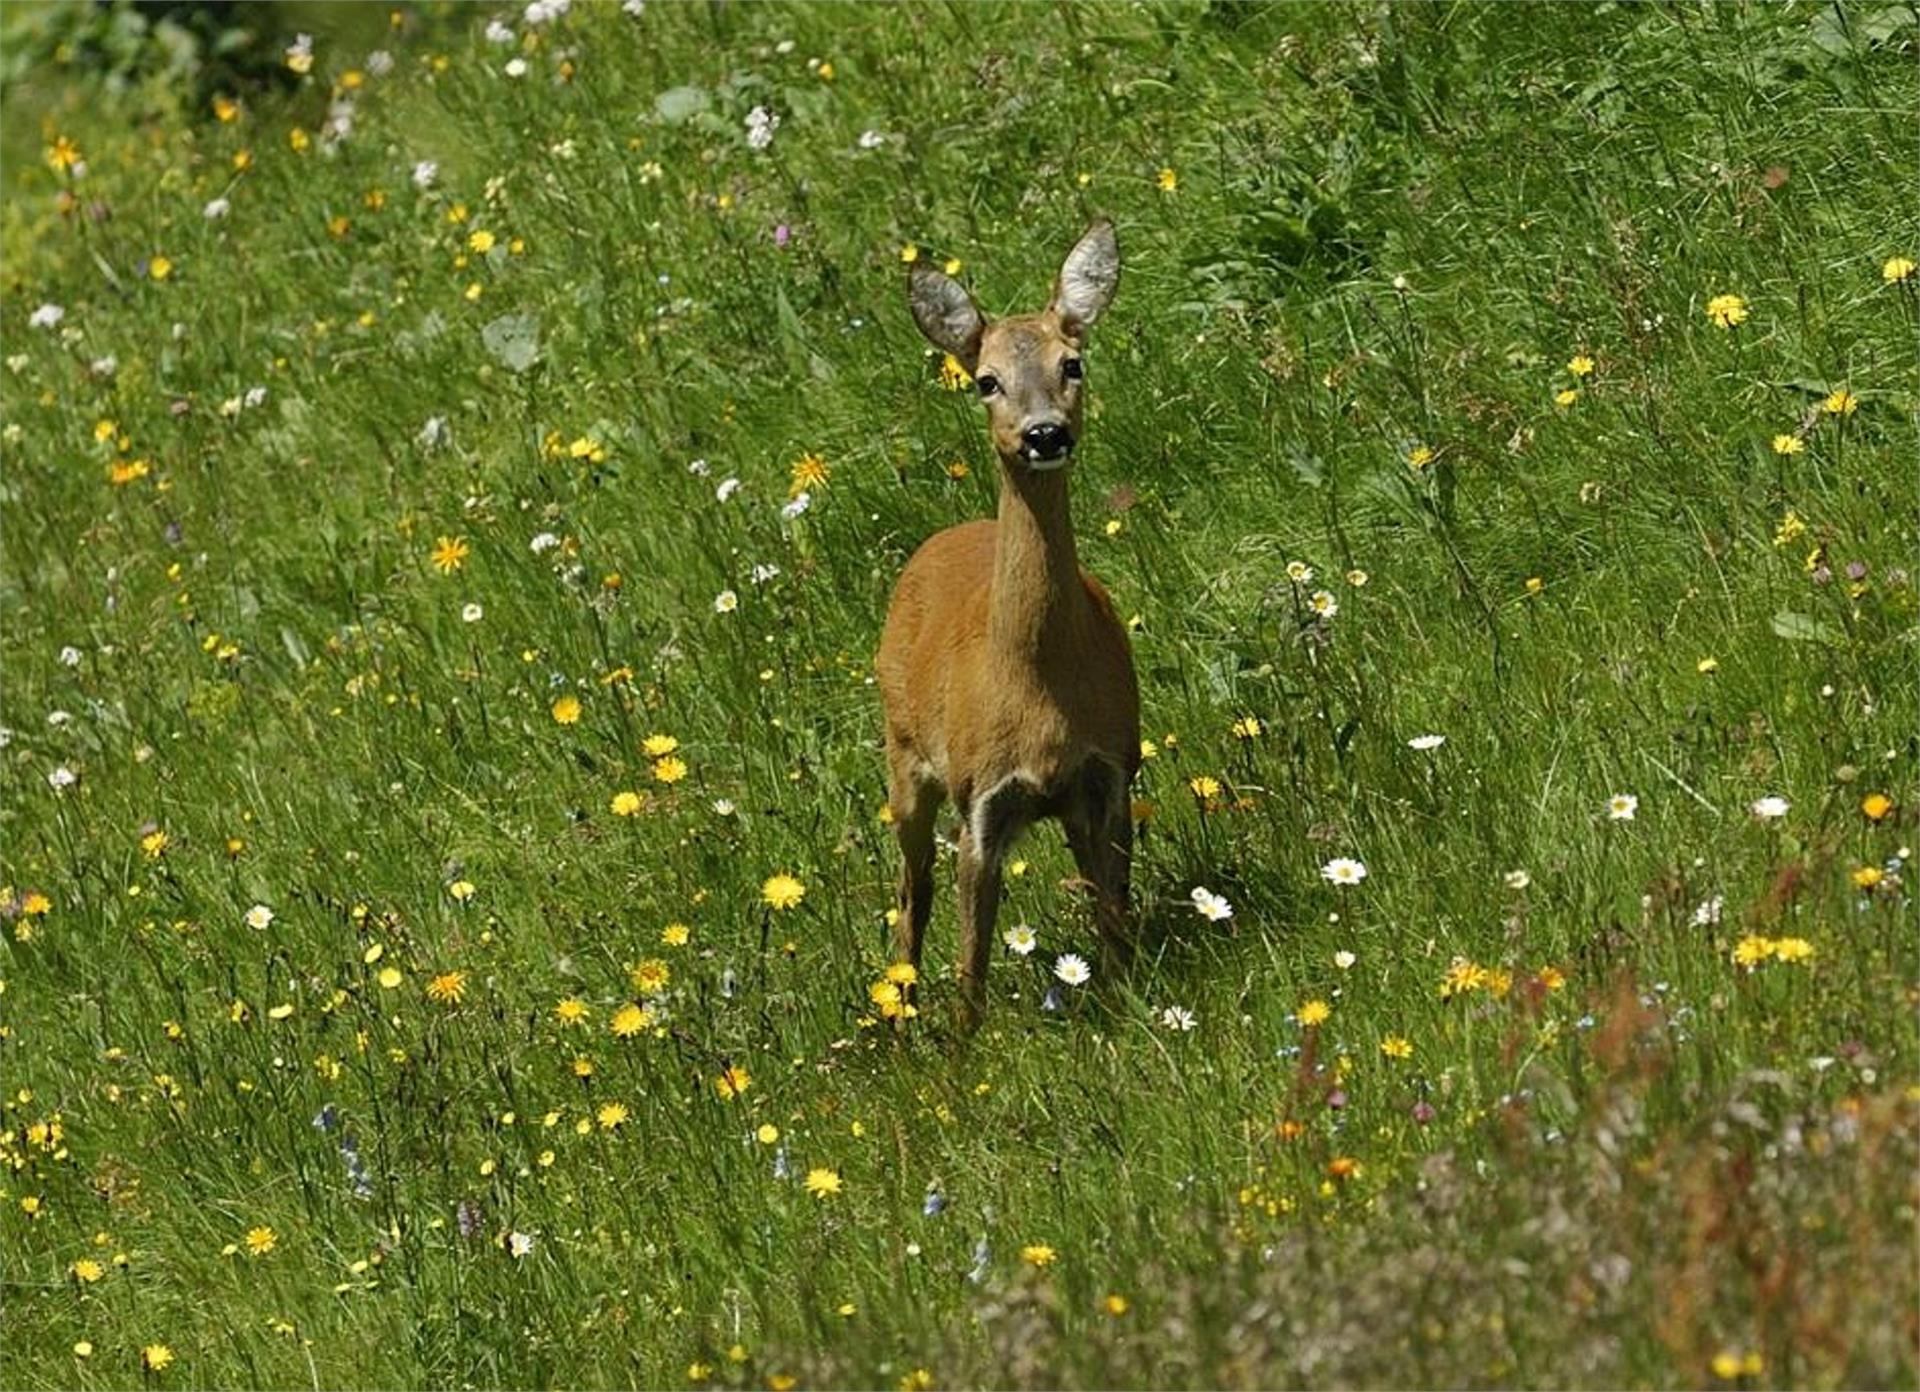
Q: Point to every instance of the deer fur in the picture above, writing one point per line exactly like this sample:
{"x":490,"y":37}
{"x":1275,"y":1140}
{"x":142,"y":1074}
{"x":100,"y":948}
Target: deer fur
{"x":1007,"y":680}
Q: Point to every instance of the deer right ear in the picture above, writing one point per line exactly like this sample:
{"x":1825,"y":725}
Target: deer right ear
{"x":945,"y":313}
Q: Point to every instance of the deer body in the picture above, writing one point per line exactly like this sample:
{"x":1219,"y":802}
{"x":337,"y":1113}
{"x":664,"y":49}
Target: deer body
{"x":1007,"y":680}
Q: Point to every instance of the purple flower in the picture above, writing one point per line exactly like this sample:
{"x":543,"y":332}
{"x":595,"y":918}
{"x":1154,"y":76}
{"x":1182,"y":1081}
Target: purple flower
{"x":782,"y":235}
{"x":1337,"y":1098}
{"x":1856,"y":570}
{"x":1423,"y":1112}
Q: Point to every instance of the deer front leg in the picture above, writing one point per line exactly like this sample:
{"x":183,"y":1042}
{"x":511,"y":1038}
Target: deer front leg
{"x":994,"y":821}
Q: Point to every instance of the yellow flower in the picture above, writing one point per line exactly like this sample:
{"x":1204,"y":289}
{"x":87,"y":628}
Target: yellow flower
{"x":160,"y":268}
{"x":782,"y":891}
{"x":809,"y":471}
{"x":225,"y":109}
{"x":1867,"y":876}
{"x":1790,"y":527}
{"x":1038,"y":1254}
{"x":611,"y":1114}
{"x":1727,"y":310}
{"x":1397,"y":1046}
{"x":1792,"y":950}
{"x":1752,"y":950}
{"x":154,"y":843}
{"x":1840,"y":402}
{"x":448,"y":988}
{"x":481,"y":241}
{"x":628,"y":1021}
{"x":1876,"y":806}
{"x":450,"y":553}
{"x":571,"y":1011}
{"x":1116,"y":1305}
{"x":1167,"y":180}
{"x":624,"y":804}
{"x":654,"y":746}
{"x":903,"y":973}
{"x":650,"y":977}
{"x":63,"y":154}
{"x":732,"y":1082}
{"x":155,"y":1357}
{"x":261,"y":1241}
{"x":1789,"y":444}
{"x":1565,"y":397}
{"x":767,"y":1134}
{"x":1204,"y":786}
{"x":822,"y":1182}
{"x":669,"y":770}
{"x":86,"y":1270}
{"x":566,"y":710}
{"x":390,"y":977}
{"x":1552,"y":978}
{"x":1419,"y":457}
{"x":909,"y":253}
{"x":1315,"y":1012}
{"x":461,"y":890}
{"x":676,"y":934}
{"x":1897,"y":270}
{"x":1580,"y":365}
{"x":1248,"y":727}
{"x":953,"y":376}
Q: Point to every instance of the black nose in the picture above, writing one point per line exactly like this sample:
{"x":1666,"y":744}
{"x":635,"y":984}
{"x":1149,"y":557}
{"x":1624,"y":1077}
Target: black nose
{"x":1047,"y":441}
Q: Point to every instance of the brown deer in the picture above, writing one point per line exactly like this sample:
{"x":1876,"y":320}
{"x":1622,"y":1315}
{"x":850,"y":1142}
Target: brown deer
{"x":1007,"y":681}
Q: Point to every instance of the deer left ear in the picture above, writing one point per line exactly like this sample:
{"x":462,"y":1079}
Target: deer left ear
{"x":1088,"y":278}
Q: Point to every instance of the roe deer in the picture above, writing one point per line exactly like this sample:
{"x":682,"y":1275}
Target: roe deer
{"x":1007,"y":681}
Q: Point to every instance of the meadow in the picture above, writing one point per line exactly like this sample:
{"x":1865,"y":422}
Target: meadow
{"x":452,"y":484}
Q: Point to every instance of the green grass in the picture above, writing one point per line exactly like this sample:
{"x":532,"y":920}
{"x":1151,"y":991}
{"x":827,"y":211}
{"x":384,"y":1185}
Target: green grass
{"x":1619,"y":1158}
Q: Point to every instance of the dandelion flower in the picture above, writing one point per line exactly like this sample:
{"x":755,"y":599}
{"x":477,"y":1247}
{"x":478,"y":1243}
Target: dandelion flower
{"x":450,"y":553}
{"x":1897,"y":270}
{"x":566,"y":710}
{"x":1622,"y":806}
{"x":782,"y":892}
{"x":1315,"y":1012}
{"x":822,"y":1183}
{"x":658,"y":746}
{"x":86,"y":1270}
{"x":1343,"y":871}
{"x":261,"y":1241}
{"x":1072,"y":969}
{"x":669,"y":770}
{"x":1727,"y":310}
{"x":1038,"y":1254}
{"x":448,"y":988}
{"x":1397,"y":1046}
{"x":1167,"y":180}
{"x":624,"y":804}
{"x":1875,"y":806}
{"x":1580,"y":365}
{"x":628,"y":1021}
{"x":1840,"y":402}
{"x":732,"y":1082}
{"x":611,"y":1115}
{"x":571,"y":1011}
{"x":1204,"y":786}
{"x":1789,"y":444}
{"x":156,"y":1358}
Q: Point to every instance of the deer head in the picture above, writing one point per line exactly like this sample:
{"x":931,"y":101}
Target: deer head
{"x":1026,"y":367}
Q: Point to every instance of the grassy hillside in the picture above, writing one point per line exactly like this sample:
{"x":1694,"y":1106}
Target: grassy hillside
{"x":450,"y":502}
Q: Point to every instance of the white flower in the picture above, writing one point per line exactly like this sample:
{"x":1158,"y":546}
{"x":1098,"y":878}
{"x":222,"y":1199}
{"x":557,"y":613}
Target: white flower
{"x":723,"y":807}
{"x":872,"y":140}
{"x":543,"y":543}
{"x":1423,"y":743}
{"x":379,"y":62}
{"x":216,"y":209}
{"x":498,"y":33}
{"x":761,"y":124}
{"x":57,"y":718}
{"x":472,"y":613}
{"x":1344,"y":959}
{"x":1323,"y":603}
{"x":516,"y":67}
{"x":800,"y":503}
{"x":1209,"y":905}
{"x":104,"y":367}
{"x":1179,"y":1019}
{"x":424,"y":173}
{"x":1021,"y":940}
{"x":339,"y":122}
{"x":1622,"y":806}
{"x":636,"y":8}
{"x":1342,"y":871}
{"x":69,"y":656}
{"x":6,"y":736}
{"x":1299,"y":572}
{"x":764,"y":572}
{"x":1072,"y":969}
{"x":697,"y":467}
{"x":1768,"y":808}
{"x":1516,"y":879}
{"x":519,"y":1244}
{"x":46,"y":317}
{"x":541,"y":11}
{"x":259,"y":918}
{"x":726,"y":602}
{"x":1707,"y":915}
{"x":62,"y":777}
{"x":255,"y":396}
{"x":728,"y":487}
{"x":300,"y":51}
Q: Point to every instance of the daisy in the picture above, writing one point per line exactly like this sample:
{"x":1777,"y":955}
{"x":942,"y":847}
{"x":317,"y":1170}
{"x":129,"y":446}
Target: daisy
{"x":1769,"y":808}
{"x":1178,"y":1019}
{"x":1342,"y":871}
{"x":1072,"y":969}
{"x":259,"y":918}
{"x":1021,"y":940}
{"x":1423,"y":743}
{"x":1323,"y":603}
{"x":519,"y":1245}
{"x":472,"y":613}
{"x":1622,"y":806}
{"x":1209,"y":905}
{"x":726,"y":602}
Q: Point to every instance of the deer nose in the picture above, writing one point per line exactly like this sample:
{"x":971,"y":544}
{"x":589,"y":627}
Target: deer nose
{"x":1048,"y":440}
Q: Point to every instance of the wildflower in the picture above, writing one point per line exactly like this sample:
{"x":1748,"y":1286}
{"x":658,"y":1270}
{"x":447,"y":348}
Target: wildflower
{"x":450,"y":553}
{"x":481,"y":241}
{"x":822,"y":1183}
{"x":1752,"y":950}
{"x":1072,"y":969}
{"x":1315,"y":1012}
{"x":1622,"y":806}
{"x":761,"y":124}
{"x":259,"y":917}
{"x":676,"y":934}
{"x":810,"y":471}
{"x":1204,"y":786}
{"x":46,"y":317}
{"x":1769,"y":808}
{"x":571,"y":1010}
{"x":782,"y":892}
{"x":1167,"y":180}
{"x":215,"y":209}
{"x":1038,"y":1254}
{"x":650,"y":976}
{"x":732,"y":1082}
{"x":155,"y":1358}
{"x":471,"y":613}
{"x":1342,"y":871}
{"x":519,"y":1245}
{"x":1397,"y":1046}
{"x":62,"y":777}
{"x":1021,"y":940}
{"x":669,"y":770}
{"x":1248,"y":727}
{"x":1179,"y":1019}
{"x":1461,"y":977}
{"x":64,"y":155}
{"x":1565,"y":397}
{"x":261,"y":1241}
{"x":1840,"y":402}
{"x":798,"y":504}
{"x":1357,"y":578}
{"x":300,"y":54}
{"x":1792,"y":950}
{"x":461,"y":891}
{"x":628,"y":1021}
{"x":624,"y":804}
{"x":566,"y":710}
{"x":1419,"y":457}
{"x":1897,"y":270}
{"x":1424,"y":743}
{"x":1323,"y":603}
{"x":656,"y":746}
{"x":1344,"y":959}
{"x":448,"y":988}
{"x":1867,"y":876}
{"x":1789,"y":444}
{"x":390,"y":978}
{"x":1707,"y":666}
{"x":1875,"y":806}
{"x":1210,"y":906}
{"x":1580,"y":365}
{"x":1343,"y":1167}
{"x":611,"y":1115}
{"x":86,"y":1270}
{"x":953,"y":375}
{"x":726,"y":602}
{"x":1727,"y":310}
{"x":1116,"y":1305}
{"x":1790,"y":528}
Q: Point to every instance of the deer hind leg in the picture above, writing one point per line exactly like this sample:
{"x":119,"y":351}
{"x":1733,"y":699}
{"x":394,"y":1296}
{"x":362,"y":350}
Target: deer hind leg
{"x":914,"y":801}
{"x":994,"y":822}
{"x":1099,"y":823}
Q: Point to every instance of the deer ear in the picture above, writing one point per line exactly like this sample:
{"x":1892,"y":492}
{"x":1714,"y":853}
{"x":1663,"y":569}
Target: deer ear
{"x":1088,"y":278}
{"x":945,"y":313}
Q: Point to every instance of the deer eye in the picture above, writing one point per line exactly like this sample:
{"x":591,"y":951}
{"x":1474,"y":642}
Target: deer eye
{"x":1070,"y":369}
{"x":987,"y":383}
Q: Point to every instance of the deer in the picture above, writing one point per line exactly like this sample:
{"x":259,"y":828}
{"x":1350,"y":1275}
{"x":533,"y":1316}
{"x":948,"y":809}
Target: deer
{"x":1006,"y":680}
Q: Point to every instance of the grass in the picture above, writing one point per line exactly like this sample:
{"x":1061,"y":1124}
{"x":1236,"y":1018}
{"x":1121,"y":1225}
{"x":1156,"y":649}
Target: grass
{"x":1595,"y":1101}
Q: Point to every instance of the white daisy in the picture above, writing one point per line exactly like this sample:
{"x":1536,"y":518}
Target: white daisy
{"x":726,"y":602}
{"x":1622,"y":806}
{"x":1323,"y":603}
{"x":472,"y":613}
{"x":1343,"y":871}
{"x":259,"y":918}
{"x":1423,"y":743}
{"x":1209,"y":905}
{"x":1021,"y":940}
{"x":1179,"y":1019}
{"x":1072,"y":969}
{"x":1768,"y":808}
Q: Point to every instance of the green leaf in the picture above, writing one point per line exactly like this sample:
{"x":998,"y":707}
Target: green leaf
{"x":1803,"y":628}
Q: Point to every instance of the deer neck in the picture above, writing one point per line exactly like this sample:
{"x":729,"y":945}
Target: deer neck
{"x":1037,"y":594}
